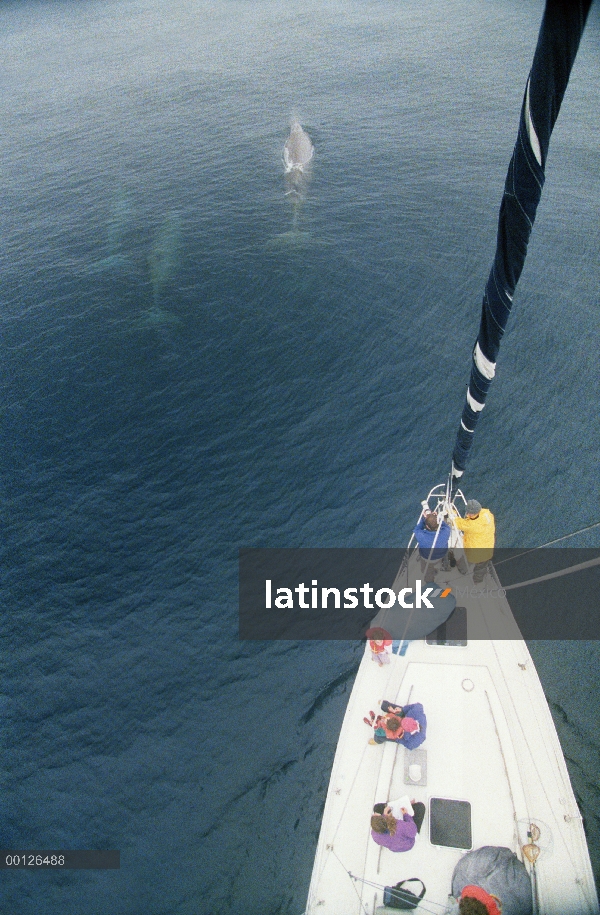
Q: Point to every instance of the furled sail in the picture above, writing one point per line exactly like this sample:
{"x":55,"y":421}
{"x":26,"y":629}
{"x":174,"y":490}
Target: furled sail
{"x":558,"y":41}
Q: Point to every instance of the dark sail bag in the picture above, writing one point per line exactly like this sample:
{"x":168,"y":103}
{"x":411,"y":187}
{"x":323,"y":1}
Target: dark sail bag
{"x":396,"y":897}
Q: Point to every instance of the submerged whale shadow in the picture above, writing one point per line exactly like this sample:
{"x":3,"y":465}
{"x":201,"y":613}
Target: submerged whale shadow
{"x":163,"y":261}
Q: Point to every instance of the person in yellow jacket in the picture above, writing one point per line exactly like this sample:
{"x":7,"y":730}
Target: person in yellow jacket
{"x":479,"y":535}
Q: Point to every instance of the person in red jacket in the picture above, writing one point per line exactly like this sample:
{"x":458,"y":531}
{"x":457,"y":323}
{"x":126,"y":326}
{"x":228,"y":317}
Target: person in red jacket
{"x":490,"y":880}
{"x":407,"y":725}
{"x":380,"y":644}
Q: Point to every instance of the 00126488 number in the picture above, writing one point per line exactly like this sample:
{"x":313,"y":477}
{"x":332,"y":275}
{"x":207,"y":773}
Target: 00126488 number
{"x":35,"y":860}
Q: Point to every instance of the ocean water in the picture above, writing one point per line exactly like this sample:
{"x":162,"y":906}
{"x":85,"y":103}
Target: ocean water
{"x":194,"y":361}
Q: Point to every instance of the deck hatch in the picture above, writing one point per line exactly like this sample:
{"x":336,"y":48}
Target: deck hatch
{"x":453,"y":631}
{"x":450,"y":823}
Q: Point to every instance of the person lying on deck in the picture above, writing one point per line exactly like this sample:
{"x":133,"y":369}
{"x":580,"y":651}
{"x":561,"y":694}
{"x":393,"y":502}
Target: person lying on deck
{"x":398,"y":833}
{"x":489,"y":881}
{"x":407,"y":725}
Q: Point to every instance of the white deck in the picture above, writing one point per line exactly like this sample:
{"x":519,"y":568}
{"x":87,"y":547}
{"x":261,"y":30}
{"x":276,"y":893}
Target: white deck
{"x":494,"y":746}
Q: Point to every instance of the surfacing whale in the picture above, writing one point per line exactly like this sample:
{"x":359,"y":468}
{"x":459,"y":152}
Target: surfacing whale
{"x":297,"y":154}
{"x":298,"y":150}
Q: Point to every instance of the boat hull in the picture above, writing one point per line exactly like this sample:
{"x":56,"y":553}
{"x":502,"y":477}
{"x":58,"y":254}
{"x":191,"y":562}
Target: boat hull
{"x":491,"y":743}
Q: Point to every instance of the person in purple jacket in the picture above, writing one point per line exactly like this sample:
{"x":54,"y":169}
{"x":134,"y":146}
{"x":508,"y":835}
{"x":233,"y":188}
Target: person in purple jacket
{"x":396,"y":834}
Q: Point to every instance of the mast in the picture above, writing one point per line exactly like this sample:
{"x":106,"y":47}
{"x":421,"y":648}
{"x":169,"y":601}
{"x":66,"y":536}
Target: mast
{"x":558,"y":41}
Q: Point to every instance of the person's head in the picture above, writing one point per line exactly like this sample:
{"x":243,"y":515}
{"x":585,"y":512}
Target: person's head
{"x":384,"y":824}
{"x":469,"y":906}
{"x":392,"y":724}
{"x":474,"y":900}
{"x":431,"y":521}
{"x":379,"y":635}
{"x":472,"y":509}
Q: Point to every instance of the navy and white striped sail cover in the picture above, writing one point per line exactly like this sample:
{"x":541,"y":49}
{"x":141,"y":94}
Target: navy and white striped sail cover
{"x":558,"y":41}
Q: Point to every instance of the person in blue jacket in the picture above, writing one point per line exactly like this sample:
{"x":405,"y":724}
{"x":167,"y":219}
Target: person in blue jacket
{"x":432,"y":538}
{"x":413,"y":724}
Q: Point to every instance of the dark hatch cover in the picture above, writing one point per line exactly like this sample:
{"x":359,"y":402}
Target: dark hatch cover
{"x":450,"y":823}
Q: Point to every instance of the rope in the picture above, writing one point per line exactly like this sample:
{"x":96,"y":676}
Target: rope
{"x":577,"y":568}
{"x":352,"y":877}
{"x":550,"y":543}
{"x":381,"y":886}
